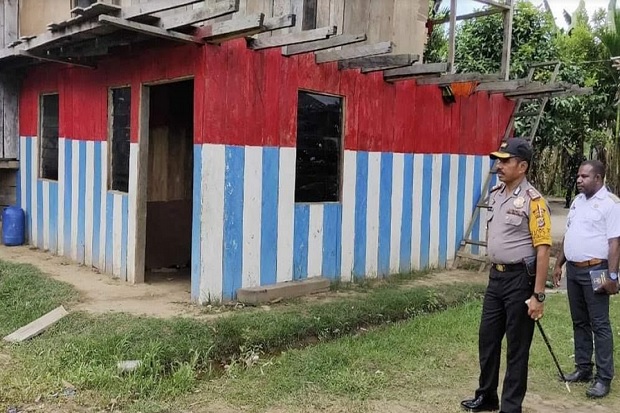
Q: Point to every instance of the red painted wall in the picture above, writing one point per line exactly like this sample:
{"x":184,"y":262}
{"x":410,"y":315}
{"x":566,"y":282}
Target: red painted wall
{"x":243,"y":97}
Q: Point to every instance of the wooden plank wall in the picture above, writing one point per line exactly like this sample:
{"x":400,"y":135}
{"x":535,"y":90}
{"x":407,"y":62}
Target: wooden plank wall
{"x":35,"y":15}
{"x":9,"y":84}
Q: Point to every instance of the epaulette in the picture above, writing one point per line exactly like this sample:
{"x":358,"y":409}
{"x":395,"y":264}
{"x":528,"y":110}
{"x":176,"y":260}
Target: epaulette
{"x":533,"y":194}
{"x":614,"y":197}
{"x":495,"y":188}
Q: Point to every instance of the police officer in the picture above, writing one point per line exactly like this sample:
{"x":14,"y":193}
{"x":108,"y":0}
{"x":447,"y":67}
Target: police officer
{"x":591,"y":243}
{"x":518,"y":242}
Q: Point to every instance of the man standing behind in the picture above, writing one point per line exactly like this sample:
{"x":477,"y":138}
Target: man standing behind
{"x":518,"y":241}
{"x":591,"y":243}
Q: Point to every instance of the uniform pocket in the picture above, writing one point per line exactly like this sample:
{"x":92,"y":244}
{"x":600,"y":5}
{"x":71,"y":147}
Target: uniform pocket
{"x":515,"y":220}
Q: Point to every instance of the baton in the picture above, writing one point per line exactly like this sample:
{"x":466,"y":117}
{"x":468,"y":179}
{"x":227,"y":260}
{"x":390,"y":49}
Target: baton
{"x":555,"y":360}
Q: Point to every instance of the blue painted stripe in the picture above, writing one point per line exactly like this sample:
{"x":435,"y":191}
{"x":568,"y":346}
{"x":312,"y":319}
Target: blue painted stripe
{"x":444,"y":203}
{"x":53,"y":217}
{"x":385,"y":214}
{"x":332,"y":236}
{"x":425,"y":222}
{"x":81,"y":216}
{"x":301,"y":235}
{"x":39,"y":207}
{"x":96,"y":204}
{"x":460,"y":201}
{"x":361,"y":205}
{"x":196,"y":222}
{"x":476,"y":198}
{"x":67,"y":198}
{"x":124,"y":230}
{"x":407,"y":220}
{"x":233,"y":221}
{"x":269,"y":216}
{"x":109,"y":232}
{"x":28,"y":189}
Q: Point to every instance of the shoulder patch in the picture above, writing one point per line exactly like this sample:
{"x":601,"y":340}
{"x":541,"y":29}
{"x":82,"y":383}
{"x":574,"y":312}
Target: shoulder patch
{"x":614,"y":198}
{"x":496,"y":187}
{"x":533,"y":194}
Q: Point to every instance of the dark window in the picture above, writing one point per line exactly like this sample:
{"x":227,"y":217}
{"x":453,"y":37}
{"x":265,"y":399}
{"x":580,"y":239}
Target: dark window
{"x":319,"y":148}
{"x":83,"y":3}
{"x":49,"y":136}
{"x":309,"y":10}
{"x":120,"y":100}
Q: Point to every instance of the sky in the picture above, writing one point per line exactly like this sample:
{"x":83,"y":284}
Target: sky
{"x":466,"y":6}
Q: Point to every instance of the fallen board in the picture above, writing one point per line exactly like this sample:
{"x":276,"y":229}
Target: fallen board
{"x":37,"y":326}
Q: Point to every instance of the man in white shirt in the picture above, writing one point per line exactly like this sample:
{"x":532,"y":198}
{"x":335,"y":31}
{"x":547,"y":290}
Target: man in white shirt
{"x":591,"y":243}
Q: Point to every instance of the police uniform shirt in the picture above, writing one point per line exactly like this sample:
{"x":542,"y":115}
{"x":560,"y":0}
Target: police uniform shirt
{"x":590,"y":224}
{"x":517,"y":223}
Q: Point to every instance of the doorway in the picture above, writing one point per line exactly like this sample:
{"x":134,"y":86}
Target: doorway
{"x":168,"y":242}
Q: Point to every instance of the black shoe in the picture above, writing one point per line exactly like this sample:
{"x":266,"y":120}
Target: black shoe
{"x":578,"y":376}
{"x":480,"y":404}
{"x":598,"y":390}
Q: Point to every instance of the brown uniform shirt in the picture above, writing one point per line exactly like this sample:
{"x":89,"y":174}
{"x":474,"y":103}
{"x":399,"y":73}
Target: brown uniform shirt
{"x":517,"y":222}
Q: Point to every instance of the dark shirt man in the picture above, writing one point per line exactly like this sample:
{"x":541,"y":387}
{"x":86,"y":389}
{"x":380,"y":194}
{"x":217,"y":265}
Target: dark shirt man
{"x":518,"y":231}
{"x":591,"y":243}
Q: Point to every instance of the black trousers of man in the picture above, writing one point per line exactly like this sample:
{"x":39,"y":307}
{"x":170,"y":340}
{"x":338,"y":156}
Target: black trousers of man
{"x":504,"y":312}
{"x":590,"y":314}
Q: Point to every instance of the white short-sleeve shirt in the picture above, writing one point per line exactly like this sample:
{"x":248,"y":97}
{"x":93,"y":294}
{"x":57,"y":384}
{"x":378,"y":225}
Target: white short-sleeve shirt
{"x":590,"y":224}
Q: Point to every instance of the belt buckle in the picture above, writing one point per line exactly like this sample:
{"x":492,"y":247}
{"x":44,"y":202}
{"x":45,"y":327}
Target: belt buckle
{"x":500,"y":267}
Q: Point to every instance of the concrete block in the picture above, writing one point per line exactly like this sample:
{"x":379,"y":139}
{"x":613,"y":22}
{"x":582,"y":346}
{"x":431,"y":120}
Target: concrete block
{"x":282,"y":290}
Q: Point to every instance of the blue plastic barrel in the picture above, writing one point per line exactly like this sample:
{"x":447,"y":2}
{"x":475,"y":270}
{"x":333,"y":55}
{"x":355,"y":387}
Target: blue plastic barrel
{"x":13,"y":226}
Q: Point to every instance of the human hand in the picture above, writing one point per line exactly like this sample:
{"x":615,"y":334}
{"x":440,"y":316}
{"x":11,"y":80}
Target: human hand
{"x":557,"y":276}
{"x":535,"y":308}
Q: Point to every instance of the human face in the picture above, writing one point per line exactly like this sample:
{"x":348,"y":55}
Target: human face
{"x":588,"y":182}
{"x":510,"y":170}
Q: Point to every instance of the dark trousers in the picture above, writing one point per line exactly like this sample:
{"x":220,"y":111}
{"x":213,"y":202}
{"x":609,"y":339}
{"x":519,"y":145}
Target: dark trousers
{"x":590,"y":314}
{"x":504,"y":312}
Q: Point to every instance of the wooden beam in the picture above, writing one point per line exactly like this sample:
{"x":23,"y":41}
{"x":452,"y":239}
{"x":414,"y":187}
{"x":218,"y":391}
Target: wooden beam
{"x":415,"y":70}
{"x":153,"y":6}
{"x":333,"y":41}
{"x":452,"y":37}
{"x":372,"y":62}
{"x":279,"y":22}
{"x":458,"y":77}
{"x":533,"y":89}
{"x":96,"y":9}
{"x":37,"y":326}
{"x":354,"y":52}
{"x":501,"y":86}
{"x":507,"y":43}
{"x":209,"y":11}
{"x":555,"y":94}
{"x":468,"y":16}
{"x":149,"y":30}
{"x":26,"y":53}
{"x":495,"y":4}
{"x":293,"y":38}
{"x":231,"y":29}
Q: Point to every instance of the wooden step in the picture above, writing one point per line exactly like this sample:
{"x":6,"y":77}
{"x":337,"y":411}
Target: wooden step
{"x":474,"y":242}
{"x":469,"y":256}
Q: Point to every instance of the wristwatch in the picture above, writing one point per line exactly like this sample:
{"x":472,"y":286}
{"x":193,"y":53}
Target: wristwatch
{"x":540,"y":297}
{"x":613,"y":276}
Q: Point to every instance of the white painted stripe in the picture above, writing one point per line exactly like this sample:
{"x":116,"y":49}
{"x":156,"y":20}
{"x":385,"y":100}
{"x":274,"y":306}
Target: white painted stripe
{"x":418,"y":178}
{"x":212,"y":225}
{"x":133,"y":211}
{"x":433,"y":251}
{"x":486,"y":167}
{"x":348,"y":214}
{"x":117,"y":235}
{"x":397,"y":210}
{"x":286,"y":213}
{"x":22,"y":176}
{"x":75,"y":192}
{"x":372,"y":214}
{"x":454,"y":192}
{"x":46,"y":215}
{"x":61,"y":196}
{"x":252,"y":209}
{"x":35,"y":178}
{"x":88,"y":205}
{"x":104,"y":202}
{"x":315,"y":240}
{"x":469,"y":196}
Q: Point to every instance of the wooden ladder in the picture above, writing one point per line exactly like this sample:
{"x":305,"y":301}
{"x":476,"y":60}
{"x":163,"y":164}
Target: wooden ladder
{"x":517,"y":112}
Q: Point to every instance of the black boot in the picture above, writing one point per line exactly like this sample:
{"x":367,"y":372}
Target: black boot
{"x":579,"y":376}
{"x":481,"y":403}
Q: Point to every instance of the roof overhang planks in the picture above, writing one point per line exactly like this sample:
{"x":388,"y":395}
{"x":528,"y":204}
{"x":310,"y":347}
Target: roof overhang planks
{"x":45,"y":58}
{"x":446,"y":79}
{"x":414,"y":71}
{"x":333,"y":41}
{"x":379,"y":62}
{"x":353,"y":52}
{"x":293,"y":38}
{"x":242,"y":27}
{"x":155,"y":6}
{"x":210,"y":10}
{"x":501,"y":86}
{"x":149,"y":30}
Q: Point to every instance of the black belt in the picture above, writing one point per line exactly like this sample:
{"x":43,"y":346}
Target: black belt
{"x":509,"y":267}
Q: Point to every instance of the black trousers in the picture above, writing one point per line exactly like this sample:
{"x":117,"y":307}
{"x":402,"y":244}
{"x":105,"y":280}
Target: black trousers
{"x":504,"y":312}
{"x":590,"y":314}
